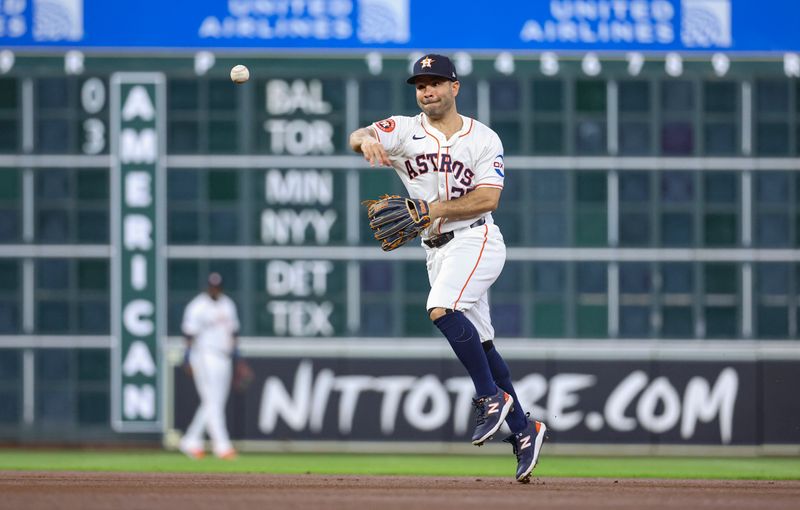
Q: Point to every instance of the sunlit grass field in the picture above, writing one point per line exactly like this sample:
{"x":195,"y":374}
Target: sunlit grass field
{"x":759,"y":468}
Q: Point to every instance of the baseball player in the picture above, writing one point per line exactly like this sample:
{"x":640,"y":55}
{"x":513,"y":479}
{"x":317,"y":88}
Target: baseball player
{"x":453,"y":166}
{"x":210,"y":326}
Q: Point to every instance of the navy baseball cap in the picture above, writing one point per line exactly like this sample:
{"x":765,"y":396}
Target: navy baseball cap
{"x":215,"y":280}
{"x":434,"y":65}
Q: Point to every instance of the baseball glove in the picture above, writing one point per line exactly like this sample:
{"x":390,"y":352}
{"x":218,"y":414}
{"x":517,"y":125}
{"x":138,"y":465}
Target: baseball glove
{"x":242,"y":375}
{"x":397,"y":220}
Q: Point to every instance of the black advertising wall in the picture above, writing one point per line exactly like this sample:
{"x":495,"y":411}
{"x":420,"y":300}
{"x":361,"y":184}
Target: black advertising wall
{"x":780,"y":402}
{"x":669,"y":402}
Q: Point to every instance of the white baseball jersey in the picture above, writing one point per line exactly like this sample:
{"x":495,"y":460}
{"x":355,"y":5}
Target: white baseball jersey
{"x":211,"y":323}
{"x":435,"y":168}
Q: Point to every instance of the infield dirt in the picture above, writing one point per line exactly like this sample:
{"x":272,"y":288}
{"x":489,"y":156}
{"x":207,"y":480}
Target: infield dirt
{"x":155,"y":491}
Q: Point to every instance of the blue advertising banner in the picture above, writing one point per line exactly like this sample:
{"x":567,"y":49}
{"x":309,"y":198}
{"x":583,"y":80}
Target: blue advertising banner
{"x":739,"y":26}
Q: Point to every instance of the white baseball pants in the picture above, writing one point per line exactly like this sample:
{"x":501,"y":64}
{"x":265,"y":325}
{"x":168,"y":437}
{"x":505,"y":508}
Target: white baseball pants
{"x":461,"y":272}
{"x":212,"y":374}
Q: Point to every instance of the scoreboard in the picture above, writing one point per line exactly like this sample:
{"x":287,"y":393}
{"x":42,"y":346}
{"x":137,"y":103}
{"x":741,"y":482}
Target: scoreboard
{"x":687,"y":175}
{"x":649,"y":198}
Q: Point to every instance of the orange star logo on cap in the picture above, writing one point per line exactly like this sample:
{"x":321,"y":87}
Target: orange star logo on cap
{"x":426,"y":62}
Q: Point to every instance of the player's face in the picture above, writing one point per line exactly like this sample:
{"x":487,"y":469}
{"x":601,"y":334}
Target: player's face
{"x":436,"y":96}
{"x":214,"y":292}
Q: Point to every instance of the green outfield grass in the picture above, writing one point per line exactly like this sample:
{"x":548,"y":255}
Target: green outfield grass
{"x":421,"y":465}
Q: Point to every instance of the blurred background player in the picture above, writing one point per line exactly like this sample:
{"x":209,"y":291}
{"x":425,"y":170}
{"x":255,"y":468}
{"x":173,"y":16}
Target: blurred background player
{"x":210,"y":326}
{"x":455,"y":163}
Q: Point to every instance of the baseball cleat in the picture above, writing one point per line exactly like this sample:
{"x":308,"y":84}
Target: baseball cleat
{"x":193,"y":453}
{"x":228,"y":455}
{"x":527,"y":445}
{"x":490,"y":412}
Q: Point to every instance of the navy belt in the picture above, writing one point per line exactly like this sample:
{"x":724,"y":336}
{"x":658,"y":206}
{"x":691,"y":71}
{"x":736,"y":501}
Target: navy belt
{"x":441,"y":240}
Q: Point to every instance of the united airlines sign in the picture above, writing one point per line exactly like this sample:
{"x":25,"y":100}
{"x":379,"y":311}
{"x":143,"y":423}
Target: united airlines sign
{"x":514,"y":25}
{"x":699,"y":23}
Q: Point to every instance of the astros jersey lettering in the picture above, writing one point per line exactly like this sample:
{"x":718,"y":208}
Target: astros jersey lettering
{"x":434,"y":168}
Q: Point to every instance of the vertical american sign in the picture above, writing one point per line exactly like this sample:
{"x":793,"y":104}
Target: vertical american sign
{"x":138,"y":228}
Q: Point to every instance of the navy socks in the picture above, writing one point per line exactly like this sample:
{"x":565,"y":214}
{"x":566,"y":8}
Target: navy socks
{"x":466,"y":343}
{"x":516,"y":419}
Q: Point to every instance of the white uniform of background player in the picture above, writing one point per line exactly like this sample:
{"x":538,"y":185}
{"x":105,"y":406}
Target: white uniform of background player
{"x":210,"y":324}
{"x":456,"y":165}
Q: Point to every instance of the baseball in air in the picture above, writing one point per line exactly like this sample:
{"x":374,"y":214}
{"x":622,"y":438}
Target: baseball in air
{"x":240,"y":74}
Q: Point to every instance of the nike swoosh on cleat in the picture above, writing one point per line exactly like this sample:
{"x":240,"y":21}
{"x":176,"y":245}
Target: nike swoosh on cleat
{"x":417,"y":138}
